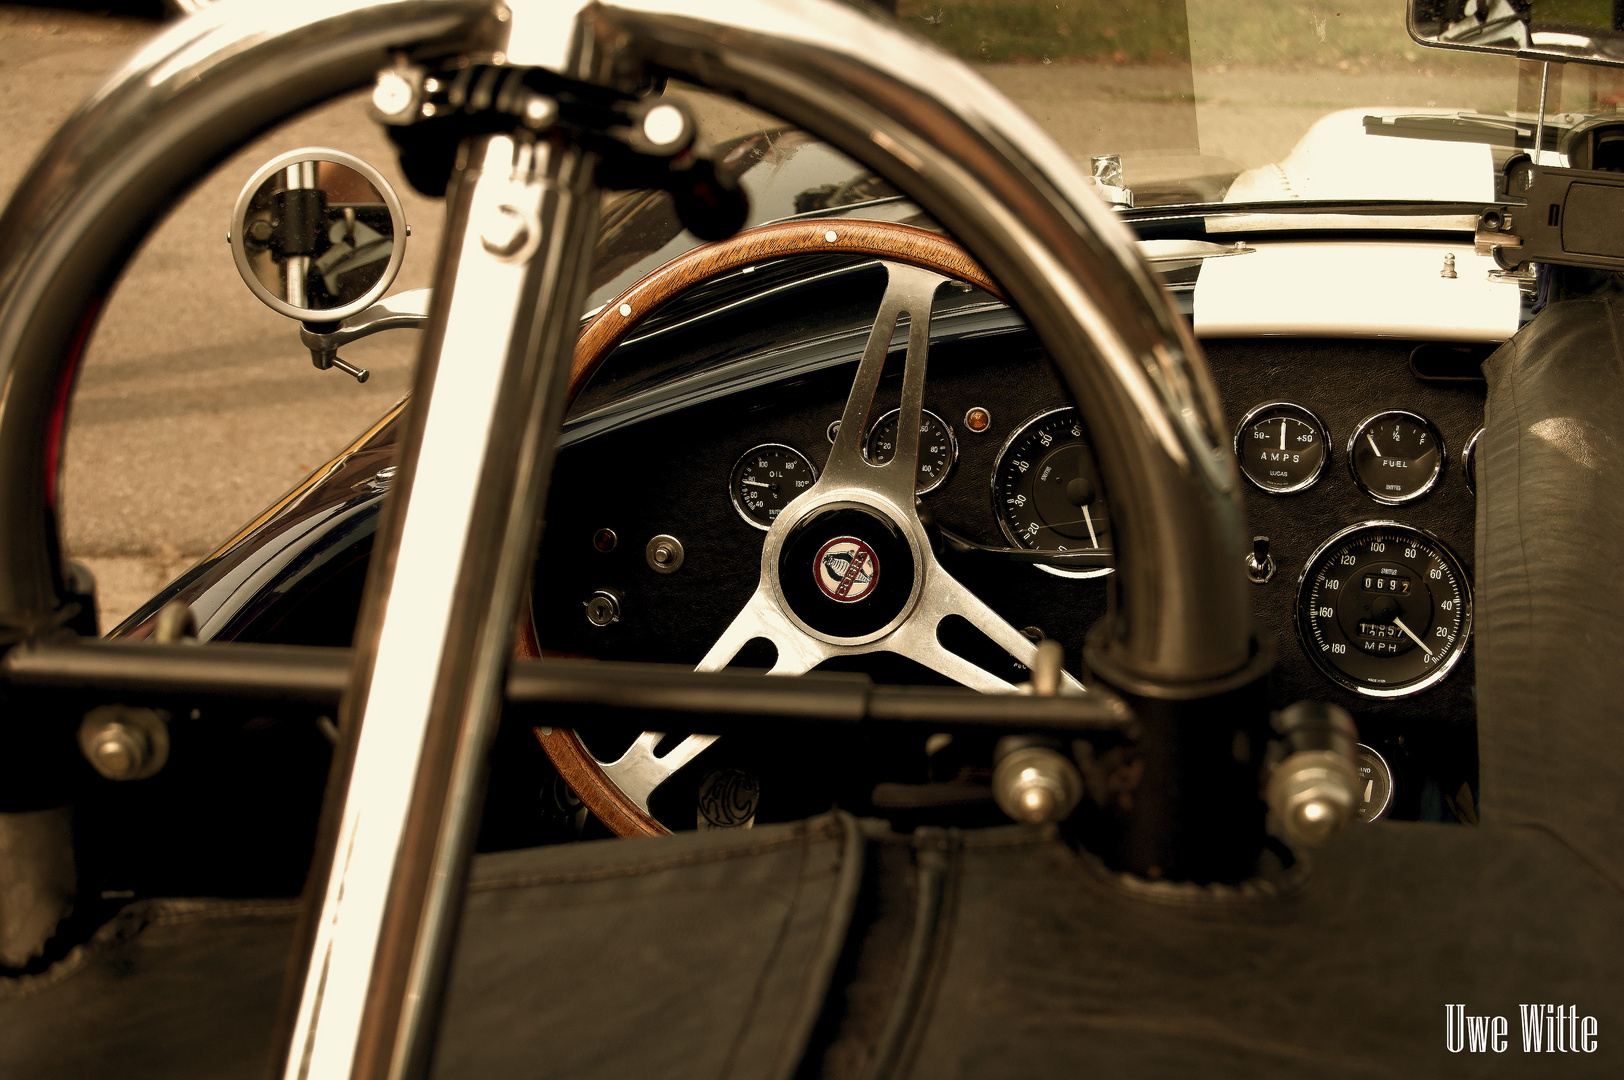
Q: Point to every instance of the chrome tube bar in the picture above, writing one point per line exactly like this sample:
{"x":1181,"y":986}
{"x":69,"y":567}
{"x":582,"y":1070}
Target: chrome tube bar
{"x":191,"y":96}
{"x":443,"y":592}
{"x":926,"y":122}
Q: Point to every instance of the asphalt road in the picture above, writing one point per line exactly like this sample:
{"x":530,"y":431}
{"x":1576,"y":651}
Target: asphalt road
{"x":196,"y":405}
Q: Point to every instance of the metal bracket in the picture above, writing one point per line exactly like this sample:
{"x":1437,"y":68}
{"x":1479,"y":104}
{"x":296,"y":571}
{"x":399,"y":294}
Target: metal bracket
{"x":643,"y":141}
{"x":403,"y":311}
{"x":1572,"y":217}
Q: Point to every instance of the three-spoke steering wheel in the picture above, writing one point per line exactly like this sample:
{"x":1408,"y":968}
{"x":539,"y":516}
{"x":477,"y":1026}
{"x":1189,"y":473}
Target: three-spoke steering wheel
{"x":847,"y":567}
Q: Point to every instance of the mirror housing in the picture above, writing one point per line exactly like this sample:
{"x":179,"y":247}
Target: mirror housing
{"x":318,"y":234}
{"x":1507,"y":27}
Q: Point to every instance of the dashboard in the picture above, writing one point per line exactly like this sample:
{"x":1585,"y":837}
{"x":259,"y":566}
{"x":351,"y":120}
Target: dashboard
{"x":1358,"y":486}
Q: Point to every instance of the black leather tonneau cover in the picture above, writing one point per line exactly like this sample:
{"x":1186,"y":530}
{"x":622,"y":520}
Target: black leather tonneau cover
{"x":830,"y":947}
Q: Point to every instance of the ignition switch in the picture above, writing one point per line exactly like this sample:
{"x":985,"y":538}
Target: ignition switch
{"x":603,"y":608}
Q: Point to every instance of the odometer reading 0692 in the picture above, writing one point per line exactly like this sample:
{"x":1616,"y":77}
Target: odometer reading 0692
{"x":1384,"y":609}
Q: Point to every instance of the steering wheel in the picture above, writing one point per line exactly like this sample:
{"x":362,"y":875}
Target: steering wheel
{"x":847,"y":567}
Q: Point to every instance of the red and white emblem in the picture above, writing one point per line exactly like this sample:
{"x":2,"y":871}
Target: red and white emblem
{"x":846,"y":569}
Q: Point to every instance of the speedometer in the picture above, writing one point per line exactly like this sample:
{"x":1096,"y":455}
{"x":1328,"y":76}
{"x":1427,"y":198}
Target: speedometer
{"x":1046,"y":490}
{"x":1384,"y":609}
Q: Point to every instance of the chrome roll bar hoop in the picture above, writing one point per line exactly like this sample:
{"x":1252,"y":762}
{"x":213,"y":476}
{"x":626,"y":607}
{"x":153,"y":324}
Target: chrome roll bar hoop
{"x":399,"y":822}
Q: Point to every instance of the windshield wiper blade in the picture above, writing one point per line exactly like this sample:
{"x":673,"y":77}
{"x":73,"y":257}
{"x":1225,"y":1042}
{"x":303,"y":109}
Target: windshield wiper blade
{"x":1492,"y":129}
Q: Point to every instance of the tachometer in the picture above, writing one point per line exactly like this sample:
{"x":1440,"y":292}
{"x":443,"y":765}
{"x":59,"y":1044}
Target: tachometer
{"x":1384,"y":609}
{"x":767,"y":479}
{"x":1046,"y":489}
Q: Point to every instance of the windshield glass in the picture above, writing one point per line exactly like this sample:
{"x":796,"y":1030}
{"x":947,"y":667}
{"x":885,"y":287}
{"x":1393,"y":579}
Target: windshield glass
{"x":1265,"y":100}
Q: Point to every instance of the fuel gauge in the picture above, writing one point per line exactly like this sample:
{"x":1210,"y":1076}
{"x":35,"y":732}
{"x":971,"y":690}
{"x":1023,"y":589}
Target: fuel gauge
{"x":1282,"y":447}
{"x":1396,"y":456}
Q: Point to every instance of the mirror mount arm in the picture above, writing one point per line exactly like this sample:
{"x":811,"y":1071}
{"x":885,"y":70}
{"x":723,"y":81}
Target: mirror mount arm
{"x":1569,"y":217}
{"x":403,"y":311}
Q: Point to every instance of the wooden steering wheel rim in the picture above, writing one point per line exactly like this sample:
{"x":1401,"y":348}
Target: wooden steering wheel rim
{"x":618,"y":318}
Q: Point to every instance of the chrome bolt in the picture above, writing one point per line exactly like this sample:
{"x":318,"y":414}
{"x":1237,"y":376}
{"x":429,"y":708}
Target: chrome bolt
{"x":1036,"y":784}
{"x":540,"y":112}
{"x":175,"y":623}
{"x":664,"y":125}
{"x":664,"y":554}
{"x":1449,"y":266}
{"x":603,"y":608}
{"x":1313,"y":793}
{"x":122,"y":743}
{"x":394,"y":96}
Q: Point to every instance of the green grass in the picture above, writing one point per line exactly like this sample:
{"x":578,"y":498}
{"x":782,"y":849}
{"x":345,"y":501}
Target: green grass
{"x":1203,"y":32}
{"x":1001,"y":31}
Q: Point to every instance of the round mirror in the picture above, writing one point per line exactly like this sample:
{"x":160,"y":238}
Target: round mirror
{"x":318,"y":234}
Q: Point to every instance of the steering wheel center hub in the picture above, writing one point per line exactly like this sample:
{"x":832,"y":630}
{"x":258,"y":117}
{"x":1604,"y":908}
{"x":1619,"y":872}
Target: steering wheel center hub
{"x":847,"y":571}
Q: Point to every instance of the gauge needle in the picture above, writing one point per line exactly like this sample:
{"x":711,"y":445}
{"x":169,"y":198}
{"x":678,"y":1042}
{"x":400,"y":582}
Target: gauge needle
{"x":757,"y":483}
{"x":1282,"y":434}
{"x":1086,"y":518}
{"x":1400,"y":624}
{"x":1373,"y":445}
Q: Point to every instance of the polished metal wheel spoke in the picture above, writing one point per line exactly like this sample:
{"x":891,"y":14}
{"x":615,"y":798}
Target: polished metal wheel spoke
{"x":943,"y":598}
{"x":910,"y":293}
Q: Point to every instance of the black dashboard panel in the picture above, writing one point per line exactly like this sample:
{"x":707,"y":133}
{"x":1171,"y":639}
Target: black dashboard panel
{"x":669,"y":473}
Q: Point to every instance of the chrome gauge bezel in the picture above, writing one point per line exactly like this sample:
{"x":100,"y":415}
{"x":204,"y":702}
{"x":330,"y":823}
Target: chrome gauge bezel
{"x":952,"y":446}
{"x":733,"y":473}
{"x":1468,"y":461}
{"x":998,"y":510}
{"x":1387,"y":769}
{"x":1307,"y":415}
{"x":1430,"y":482}
{"x":1433,"y":678}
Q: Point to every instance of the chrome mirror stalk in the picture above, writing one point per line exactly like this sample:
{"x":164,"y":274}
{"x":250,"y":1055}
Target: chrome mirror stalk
{"x":404,"y":311}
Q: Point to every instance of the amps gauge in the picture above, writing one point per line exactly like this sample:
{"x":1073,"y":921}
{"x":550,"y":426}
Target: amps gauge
{"x":1282,"y":447}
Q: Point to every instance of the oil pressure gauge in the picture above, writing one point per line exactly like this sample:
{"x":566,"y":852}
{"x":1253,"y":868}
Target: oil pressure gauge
{"x":1396,"y":456}
{"x":1282,"y":447}
{"x":768,"y":478}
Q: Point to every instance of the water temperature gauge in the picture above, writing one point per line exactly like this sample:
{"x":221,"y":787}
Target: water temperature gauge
{"x":767,"y":479}
{"x":1282,"y":447}
{"x":938,"y":449}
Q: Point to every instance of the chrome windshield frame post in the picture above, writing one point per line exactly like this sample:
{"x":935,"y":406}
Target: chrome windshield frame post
{"x":451,"y":562}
